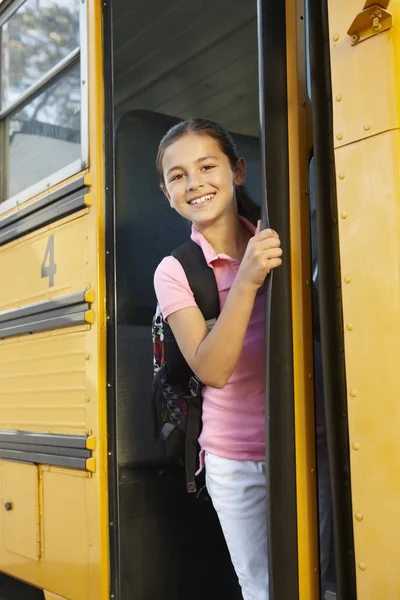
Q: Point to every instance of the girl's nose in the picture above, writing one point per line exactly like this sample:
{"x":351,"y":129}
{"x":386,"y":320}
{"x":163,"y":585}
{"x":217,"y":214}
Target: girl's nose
{"x":193,"y":182}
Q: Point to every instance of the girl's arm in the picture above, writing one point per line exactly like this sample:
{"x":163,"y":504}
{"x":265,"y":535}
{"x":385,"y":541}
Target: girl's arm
{"x":213,"y":355}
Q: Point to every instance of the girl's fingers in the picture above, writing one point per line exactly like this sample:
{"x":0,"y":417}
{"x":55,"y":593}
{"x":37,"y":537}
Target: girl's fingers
{"x":265,"y":234}
{"x":273,"y":253}
{"x":259,"y":226}
{"x":267,"y":244}
{"x":274,"y":262}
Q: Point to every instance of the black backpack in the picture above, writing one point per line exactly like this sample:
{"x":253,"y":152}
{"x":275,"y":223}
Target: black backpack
{"x":177,"y":392}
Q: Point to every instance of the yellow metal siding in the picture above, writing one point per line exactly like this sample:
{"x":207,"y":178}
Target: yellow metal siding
{"x":56,"y":381}
{"x":22,"y":261}
{"x":43,"y":382}
{"x":20,"y":529}
{"x":66,"y":543}
{"x":367,"y":137}
{"x":66,"y":536}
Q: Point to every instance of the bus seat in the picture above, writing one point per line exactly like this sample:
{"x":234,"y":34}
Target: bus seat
{"x":147,"y":229}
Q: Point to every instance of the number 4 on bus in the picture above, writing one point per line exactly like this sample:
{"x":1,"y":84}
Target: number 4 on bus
{"x":49,"y":267}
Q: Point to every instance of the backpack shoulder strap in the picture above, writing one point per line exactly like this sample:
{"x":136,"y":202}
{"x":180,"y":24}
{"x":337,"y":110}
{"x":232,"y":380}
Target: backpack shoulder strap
{"x":201,"y":278}
{"x":202,"y":282}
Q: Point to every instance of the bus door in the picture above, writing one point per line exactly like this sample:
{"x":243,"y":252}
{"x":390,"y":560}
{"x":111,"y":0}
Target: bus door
{"x":286,"y":144}
{"x":166,"y":543}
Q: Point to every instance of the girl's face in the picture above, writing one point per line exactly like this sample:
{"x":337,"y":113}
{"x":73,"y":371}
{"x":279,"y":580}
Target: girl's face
{"x":199,"y":180}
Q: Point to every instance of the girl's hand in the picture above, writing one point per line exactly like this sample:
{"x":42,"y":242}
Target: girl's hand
{"x":263,"y":253}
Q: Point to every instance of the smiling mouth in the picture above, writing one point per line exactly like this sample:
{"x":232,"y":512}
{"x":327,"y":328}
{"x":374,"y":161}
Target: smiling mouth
{"x":202,"y":200}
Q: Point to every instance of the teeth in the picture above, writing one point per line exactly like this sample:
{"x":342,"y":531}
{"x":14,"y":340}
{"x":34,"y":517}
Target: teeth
{"x":202,"y":199}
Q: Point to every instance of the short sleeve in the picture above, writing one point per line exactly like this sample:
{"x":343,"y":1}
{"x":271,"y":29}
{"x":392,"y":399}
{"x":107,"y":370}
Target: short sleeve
{"x":172,"y":287}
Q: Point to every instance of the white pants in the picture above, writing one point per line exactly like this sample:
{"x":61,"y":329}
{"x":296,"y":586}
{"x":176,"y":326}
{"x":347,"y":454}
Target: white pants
{"x":238,"y":492}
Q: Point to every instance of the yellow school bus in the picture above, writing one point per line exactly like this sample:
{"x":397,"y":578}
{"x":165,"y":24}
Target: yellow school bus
{"x":89,"y":507}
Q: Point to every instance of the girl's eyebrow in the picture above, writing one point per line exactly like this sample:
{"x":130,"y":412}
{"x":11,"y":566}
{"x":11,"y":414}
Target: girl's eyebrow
{"x":199,"y":160}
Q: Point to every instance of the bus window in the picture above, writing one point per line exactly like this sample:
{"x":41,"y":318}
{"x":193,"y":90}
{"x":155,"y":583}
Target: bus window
{"x":43,"y":96}
{"x":51,"y":28}
{"x":44,"y":135}
{"x":171,"y":61}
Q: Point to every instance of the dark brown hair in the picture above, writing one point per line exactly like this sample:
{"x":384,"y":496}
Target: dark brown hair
{"x":246,"y":206}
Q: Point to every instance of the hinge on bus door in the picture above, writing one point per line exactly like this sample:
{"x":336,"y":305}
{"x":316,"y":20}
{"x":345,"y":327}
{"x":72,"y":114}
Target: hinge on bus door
{"x":373,"y":19}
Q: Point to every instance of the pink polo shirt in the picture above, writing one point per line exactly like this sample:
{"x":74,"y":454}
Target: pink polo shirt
{"x":234,"y":416}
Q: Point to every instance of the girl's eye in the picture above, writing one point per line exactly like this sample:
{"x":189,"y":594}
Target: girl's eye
{"x":177,"y":177}
{"x":208,"y":167}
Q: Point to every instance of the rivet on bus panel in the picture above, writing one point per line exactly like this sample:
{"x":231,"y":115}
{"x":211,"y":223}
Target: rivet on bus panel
{"x":340,"y":136}
{"x":342,"y":176}
{"x":356,"y":446}
{"x":344,"y":215}
{"x":359,"y":516}
{"x":347,"y":279}
{"x":87,"y":357}
{"x":367,"y":127}
{"x":362,"y":566}
{"x":353,"y":393}
{"x":336,"y":37}
{"x":350,"y":327}
{"x":339,"y":97}
{"x":87,"y":399}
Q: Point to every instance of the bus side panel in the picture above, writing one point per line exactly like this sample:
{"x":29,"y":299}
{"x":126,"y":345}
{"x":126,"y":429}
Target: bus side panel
{"x":46,"y":264}
{"x":43,"y":382}
{"x":365,"y":79}
{"x":50,"y":538}
{"x":370,"y":252}
{"x":55,"y":381}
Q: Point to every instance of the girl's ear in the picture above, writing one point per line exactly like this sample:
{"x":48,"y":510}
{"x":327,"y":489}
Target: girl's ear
{"x":240,"y":172}
{"x":165,"y":192}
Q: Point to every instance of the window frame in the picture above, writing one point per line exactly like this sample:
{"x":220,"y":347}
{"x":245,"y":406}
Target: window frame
{"x":48,"y":79}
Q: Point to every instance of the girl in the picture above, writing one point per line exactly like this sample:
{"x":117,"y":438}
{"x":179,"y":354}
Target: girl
{"x":202,"y":177}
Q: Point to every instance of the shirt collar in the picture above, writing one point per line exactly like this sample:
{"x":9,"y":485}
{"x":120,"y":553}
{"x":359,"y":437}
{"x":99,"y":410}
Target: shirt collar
{"x":208,"y":251}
